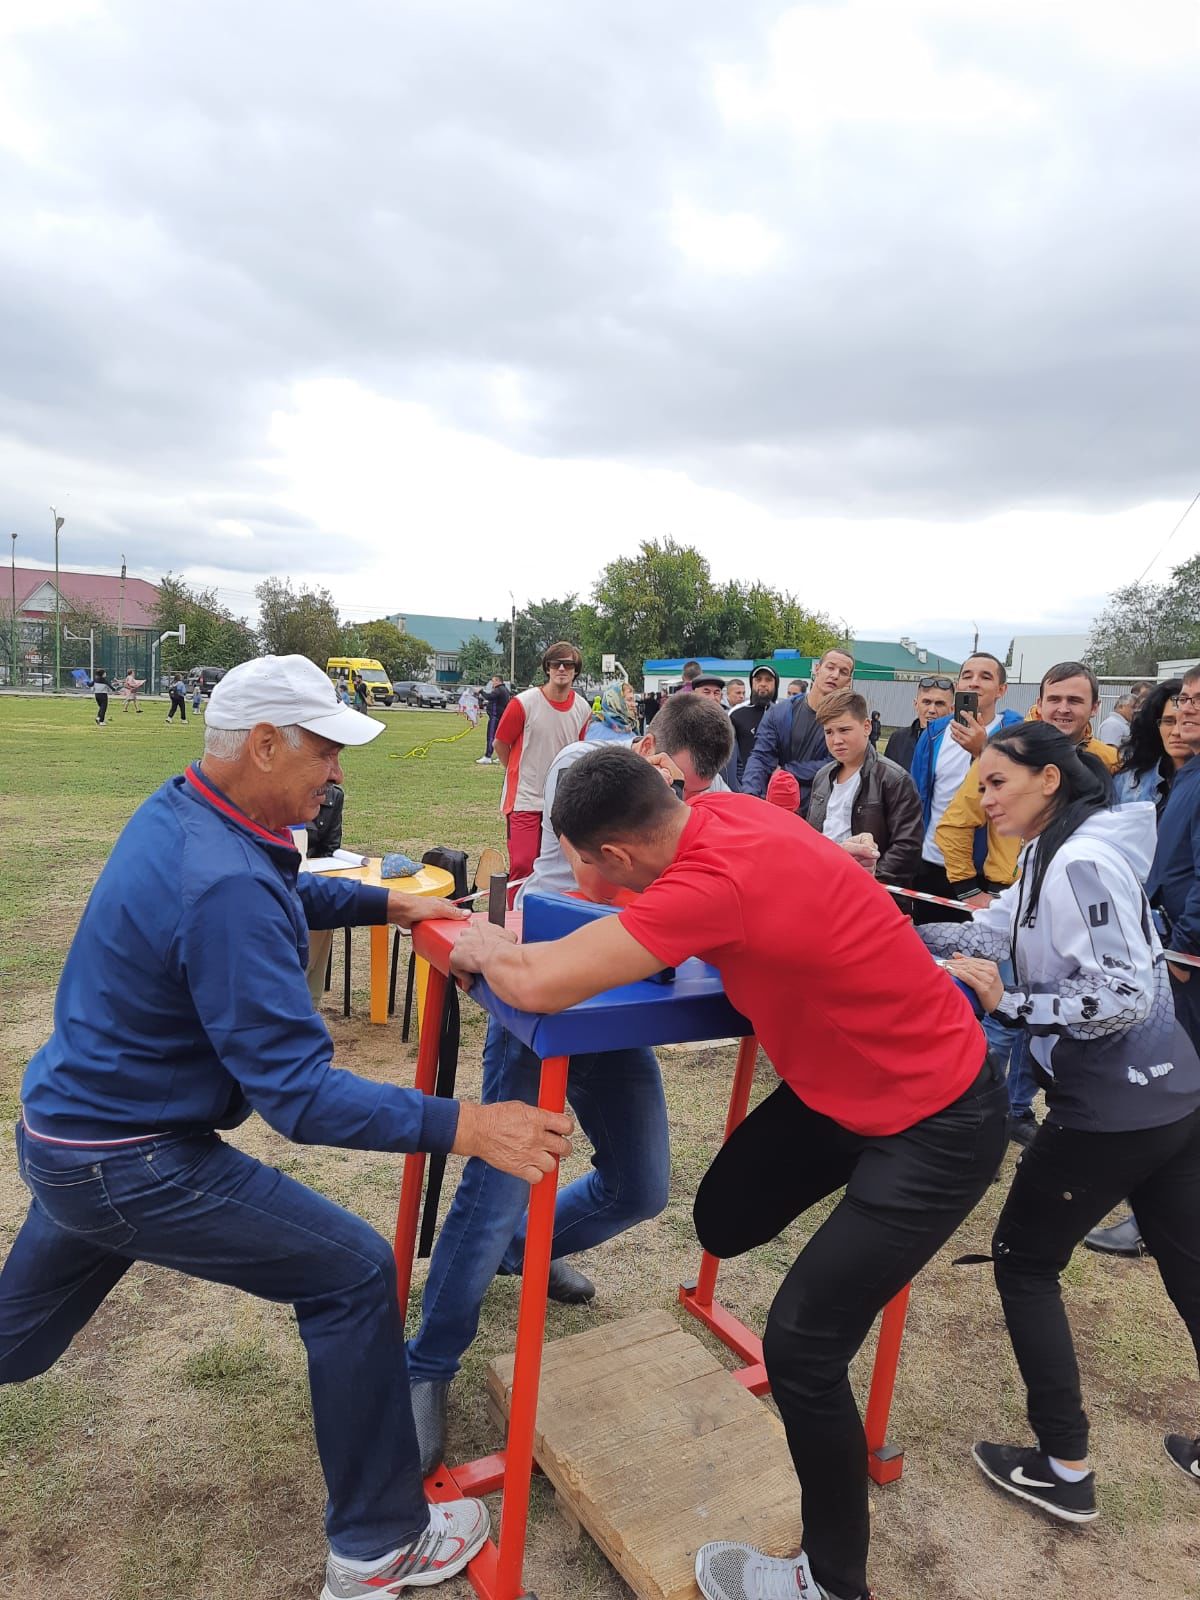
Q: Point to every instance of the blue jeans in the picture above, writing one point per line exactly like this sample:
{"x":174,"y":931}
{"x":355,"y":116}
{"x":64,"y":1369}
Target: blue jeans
{"x":195,"y":1204}
{"x":1022,"y":1085}
{"x":618,"y":1099}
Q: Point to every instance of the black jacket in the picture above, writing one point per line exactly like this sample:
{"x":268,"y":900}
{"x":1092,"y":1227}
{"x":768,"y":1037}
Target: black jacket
{"x":325,"y":829}
{"x":887,"y":806}
{"x":746,"y":718}
{"x":903,"y":743}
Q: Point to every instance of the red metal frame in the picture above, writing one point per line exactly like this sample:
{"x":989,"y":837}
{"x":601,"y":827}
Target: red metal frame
{"x":495,"y":1573}
{"x":885,"y":1462}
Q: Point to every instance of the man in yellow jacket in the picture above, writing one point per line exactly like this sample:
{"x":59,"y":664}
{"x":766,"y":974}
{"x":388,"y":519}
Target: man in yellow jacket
{"x":1069,"y":697}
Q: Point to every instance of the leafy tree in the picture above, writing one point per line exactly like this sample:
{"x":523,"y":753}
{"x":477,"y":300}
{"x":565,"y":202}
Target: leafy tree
{"x":300,"y":622}
{"x":402,"y":655}
{"x":1145,"y":623}
{"x":477,"y":660}
{"x":539,"y":625}
{"x":215,"y":637}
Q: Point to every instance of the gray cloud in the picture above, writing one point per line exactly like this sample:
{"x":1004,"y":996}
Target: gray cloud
{"x":960,"y":319}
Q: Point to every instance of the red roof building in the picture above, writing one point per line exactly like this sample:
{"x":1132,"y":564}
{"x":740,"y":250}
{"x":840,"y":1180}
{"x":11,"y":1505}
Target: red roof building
{"x":96,"y":591}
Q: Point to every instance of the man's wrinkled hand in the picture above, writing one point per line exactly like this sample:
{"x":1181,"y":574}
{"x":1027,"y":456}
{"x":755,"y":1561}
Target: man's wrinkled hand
{"x":405,"y":909}
{"x":472,"y":946}
{"x":522,"y":1140}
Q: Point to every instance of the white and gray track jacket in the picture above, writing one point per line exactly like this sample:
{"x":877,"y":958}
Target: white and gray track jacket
{"x":1092,"y":987}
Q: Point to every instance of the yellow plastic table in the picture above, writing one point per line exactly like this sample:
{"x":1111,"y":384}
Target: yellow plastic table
{"x":434,"y":882}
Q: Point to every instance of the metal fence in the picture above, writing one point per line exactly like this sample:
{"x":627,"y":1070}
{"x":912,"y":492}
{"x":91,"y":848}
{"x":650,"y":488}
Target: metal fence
{"x":31,"y":654}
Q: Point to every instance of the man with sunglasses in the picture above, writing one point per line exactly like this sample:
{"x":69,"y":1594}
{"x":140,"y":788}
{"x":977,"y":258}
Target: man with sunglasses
{"x":535,"y":726}
{"x":935,"y":698}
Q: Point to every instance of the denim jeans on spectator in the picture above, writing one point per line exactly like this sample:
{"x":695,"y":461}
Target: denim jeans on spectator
{"x":197,"y":1205}
{"x":618,"y":1100}
{"x":1022,"y":1085}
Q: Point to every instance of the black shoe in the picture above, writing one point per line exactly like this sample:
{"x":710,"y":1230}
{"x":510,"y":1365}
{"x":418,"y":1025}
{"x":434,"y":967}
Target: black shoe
{"x":429,"y":1414}
{"x":568,"y":1287}
{"x":1028,"y":1474}
{"x":1022,"y":1130}
{"x":1124,"y":1238}
{"x":1185,"y":1453}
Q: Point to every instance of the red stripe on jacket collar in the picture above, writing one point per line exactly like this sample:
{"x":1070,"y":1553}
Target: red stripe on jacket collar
{"x":228,"y":809}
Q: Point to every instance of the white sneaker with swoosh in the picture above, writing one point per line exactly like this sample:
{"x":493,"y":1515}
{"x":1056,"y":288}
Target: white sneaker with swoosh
{"x":1027,"y":1473}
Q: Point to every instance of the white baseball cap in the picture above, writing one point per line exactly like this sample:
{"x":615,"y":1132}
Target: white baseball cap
{"x":284,"y":690}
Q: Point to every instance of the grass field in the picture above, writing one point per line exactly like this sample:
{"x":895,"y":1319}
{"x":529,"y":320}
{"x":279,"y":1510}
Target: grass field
{"x":168,"y":1455}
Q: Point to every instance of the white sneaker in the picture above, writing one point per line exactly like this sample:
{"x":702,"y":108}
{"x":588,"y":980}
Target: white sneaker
{"x":728,"y":1571}
{"x":456,"y":1533}
{"x":484,"y":761}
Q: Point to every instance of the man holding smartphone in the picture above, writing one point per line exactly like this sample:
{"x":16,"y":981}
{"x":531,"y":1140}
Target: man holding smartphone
{"x":943,"y":757}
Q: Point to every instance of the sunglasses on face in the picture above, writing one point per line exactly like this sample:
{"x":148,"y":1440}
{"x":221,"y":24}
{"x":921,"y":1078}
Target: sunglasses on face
{"x":936,"y":683}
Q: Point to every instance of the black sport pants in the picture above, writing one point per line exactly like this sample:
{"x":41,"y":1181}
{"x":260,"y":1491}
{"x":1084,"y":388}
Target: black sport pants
{"x":1066,"y":1182}
{"x":905,"y":1195}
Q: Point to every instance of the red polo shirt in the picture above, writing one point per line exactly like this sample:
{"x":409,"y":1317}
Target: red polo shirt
{"x":845,"y":1000}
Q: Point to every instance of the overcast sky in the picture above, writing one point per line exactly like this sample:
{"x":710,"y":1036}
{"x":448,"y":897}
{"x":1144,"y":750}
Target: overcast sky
{"x":891,"y":303}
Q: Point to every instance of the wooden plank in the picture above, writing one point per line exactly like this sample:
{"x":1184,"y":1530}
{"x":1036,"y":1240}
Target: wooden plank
{"x":656,"y":1449}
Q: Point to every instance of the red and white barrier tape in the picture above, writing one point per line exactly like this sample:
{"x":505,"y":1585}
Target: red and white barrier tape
{"x":1176,"y":957}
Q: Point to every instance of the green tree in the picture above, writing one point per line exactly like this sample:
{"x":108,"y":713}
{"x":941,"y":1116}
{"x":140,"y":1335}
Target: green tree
{"x":1145,"y":623}
{"x":401,"y":655}
{"x":541,"y":624}
{"x":301,"y":622}
{"x":658,"y":602}
{"x":477,"y":660}
{"x":215,"y":637}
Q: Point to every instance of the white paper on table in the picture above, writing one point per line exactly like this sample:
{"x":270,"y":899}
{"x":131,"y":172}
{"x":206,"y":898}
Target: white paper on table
{"x":337,"y":862}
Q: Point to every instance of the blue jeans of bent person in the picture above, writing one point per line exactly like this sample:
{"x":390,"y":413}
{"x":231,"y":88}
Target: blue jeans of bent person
{"x":618,"y":1100}
{"x":195,"y":1204}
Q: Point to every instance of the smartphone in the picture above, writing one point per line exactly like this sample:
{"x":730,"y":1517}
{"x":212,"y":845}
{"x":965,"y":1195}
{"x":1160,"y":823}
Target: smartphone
{"x":965,"y":700}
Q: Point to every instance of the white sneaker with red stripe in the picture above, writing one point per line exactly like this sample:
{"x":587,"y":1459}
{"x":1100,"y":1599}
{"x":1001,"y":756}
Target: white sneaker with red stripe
{"x":456,"y":1533}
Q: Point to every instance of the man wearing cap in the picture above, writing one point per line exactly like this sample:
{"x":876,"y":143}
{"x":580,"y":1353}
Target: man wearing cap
{"x":118,"y":1139}
{"x":714,"y":689}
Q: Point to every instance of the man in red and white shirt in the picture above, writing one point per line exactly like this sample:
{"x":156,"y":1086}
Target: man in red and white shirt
{"x":886,"y":1093}
{"x":535,"y":726}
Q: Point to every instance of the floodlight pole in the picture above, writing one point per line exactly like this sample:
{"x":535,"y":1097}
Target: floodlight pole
{"x":512,"y":641}
{"x":58,"y":522}
{"x":12,"y":563}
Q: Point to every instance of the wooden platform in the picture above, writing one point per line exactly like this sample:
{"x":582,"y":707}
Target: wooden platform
{"x":656,"y":1450}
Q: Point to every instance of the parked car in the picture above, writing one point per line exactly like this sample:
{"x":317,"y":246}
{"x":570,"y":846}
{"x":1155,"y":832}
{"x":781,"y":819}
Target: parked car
{"x":401,"y":690}
{"x":206,"y":677}
{"x":428,"y":695}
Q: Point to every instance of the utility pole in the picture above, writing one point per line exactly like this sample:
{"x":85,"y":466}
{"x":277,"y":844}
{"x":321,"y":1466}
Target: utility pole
{"x":975,"y":645}
{"x":512,"y":642}
{"x":12,"y":562}
{"x":58,"y":522}
{"x":121,"y":602}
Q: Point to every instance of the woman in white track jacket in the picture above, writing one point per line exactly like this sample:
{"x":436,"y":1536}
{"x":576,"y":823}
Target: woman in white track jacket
{"x":1122,"y":1081}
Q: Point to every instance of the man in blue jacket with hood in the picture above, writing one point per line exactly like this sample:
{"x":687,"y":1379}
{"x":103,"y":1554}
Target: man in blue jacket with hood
{"x":790,"y":736}
{"x":118,"y":1140}
{"x":942,"y":760}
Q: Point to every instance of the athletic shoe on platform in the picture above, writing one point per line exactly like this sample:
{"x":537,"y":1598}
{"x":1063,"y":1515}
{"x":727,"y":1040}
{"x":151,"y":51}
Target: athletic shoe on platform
{"x":1124,"y":1238}
{"x":1185,"y":1453}
{"x":1022,"y":1130}
{"x":1028,"y":1474}
{"x":728,"y":1571}
{"x":456,"y":1532}
{"x":429,"y":1397}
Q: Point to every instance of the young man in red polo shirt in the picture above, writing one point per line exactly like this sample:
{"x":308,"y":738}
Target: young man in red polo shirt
{"x":886,"y":1093}
{"x":535,"y":726}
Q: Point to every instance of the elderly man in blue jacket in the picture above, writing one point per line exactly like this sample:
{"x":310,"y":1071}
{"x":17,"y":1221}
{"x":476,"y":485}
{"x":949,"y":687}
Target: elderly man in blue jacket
{"x":790,"y":736}
{"x":118,"y":1140}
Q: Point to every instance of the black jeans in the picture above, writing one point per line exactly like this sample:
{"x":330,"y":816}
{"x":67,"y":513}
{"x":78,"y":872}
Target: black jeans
{"x":101,"y":706}
{"x":178,"y":703}
{"x":905,"y":1195}
{"x":1065,"y":1183}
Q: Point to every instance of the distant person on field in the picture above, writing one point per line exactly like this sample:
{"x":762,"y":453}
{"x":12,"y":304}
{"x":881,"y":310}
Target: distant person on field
{"x":935,"y":698}
{"x":360,"y":693}
{"x":178,"y":693}
{"x":126,"y":1108}
{"x":324,"y":837}
{"x":100,"y":688}
{"x":536,"y":725}
{"x":876,"y":729}
{"x":1114,"y":729}
{"x":495,"y":699}
{"x":129,"y":691}
{"x":197,"y":697}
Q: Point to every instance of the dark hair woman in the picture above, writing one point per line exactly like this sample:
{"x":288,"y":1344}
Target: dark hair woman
{"x":100,"y":690}
{"x":1153,"y":753}
{"x":1122,"y":1081}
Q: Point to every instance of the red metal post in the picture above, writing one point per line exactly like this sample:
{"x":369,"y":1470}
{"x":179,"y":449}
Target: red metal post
{"x":527,"y":1366}
{"x":414,"y":1161}
{"x":885,"y":1462}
